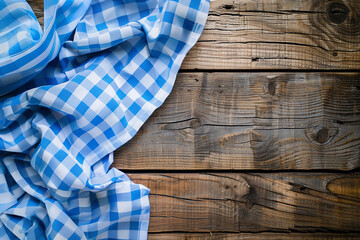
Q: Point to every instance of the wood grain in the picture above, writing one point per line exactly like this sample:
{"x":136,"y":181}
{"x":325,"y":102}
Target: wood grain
{"x":252,"y":236}
{"x":276,"y":34}
{"x":269,"y":121}
{"x":345,"y":186}
{"x":249,"y":202}
{"x":279,"y":34}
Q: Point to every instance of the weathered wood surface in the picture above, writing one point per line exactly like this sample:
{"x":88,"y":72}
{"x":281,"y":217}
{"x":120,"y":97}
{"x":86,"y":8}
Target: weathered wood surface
{"x":252,"y":202}
{"x":242,"y":121}
{"x":279,"y":34}
{"x":252,"y":236}
{"x":275,"y":34}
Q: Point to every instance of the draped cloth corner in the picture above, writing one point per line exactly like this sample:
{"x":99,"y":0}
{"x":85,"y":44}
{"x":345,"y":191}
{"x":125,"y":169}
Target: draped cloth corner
{"x":72,"y":93}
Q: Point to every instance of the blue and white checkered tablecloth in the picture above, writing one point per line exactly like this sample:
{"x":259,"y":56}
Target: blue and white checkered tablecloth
{"x":73,"y":93}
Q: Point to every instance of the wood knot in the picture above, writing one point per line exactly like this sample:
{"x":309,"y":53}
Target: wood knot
{"x":320,"y":133}
{"x":337,"y":19}
{"x":272,"y":88}
{"x":195,"y":123}
{"x":250,"y":198}
{"x":337,"y":12}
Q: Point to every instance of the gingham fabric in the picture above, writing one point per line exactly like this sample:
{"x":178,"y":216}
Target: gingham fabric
{"x":73,"y":93}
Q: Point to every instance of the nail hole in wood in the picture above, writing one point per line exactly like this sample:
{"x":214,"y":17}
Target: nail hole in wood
{"x":337,"y":12}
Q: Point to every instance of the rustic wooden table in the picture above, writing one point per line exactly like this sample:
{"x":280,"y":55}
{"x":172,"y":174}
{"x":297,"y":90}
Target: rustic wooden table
{"x":260,"y":138}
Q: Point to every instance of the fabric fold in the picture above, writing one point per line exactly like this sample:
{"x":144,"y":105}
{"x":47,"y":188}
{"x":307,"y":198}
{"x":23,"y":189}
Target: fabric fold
{"x":71,"y":95}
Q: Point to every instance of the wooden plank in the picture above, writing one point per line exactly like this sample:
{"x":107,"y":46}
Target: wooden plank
{"x":257,"y":236}
{"x":267,"y":121}
{"x":250,"y":202}
{"x":276,"y":34}
{"x":279,"y":34}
